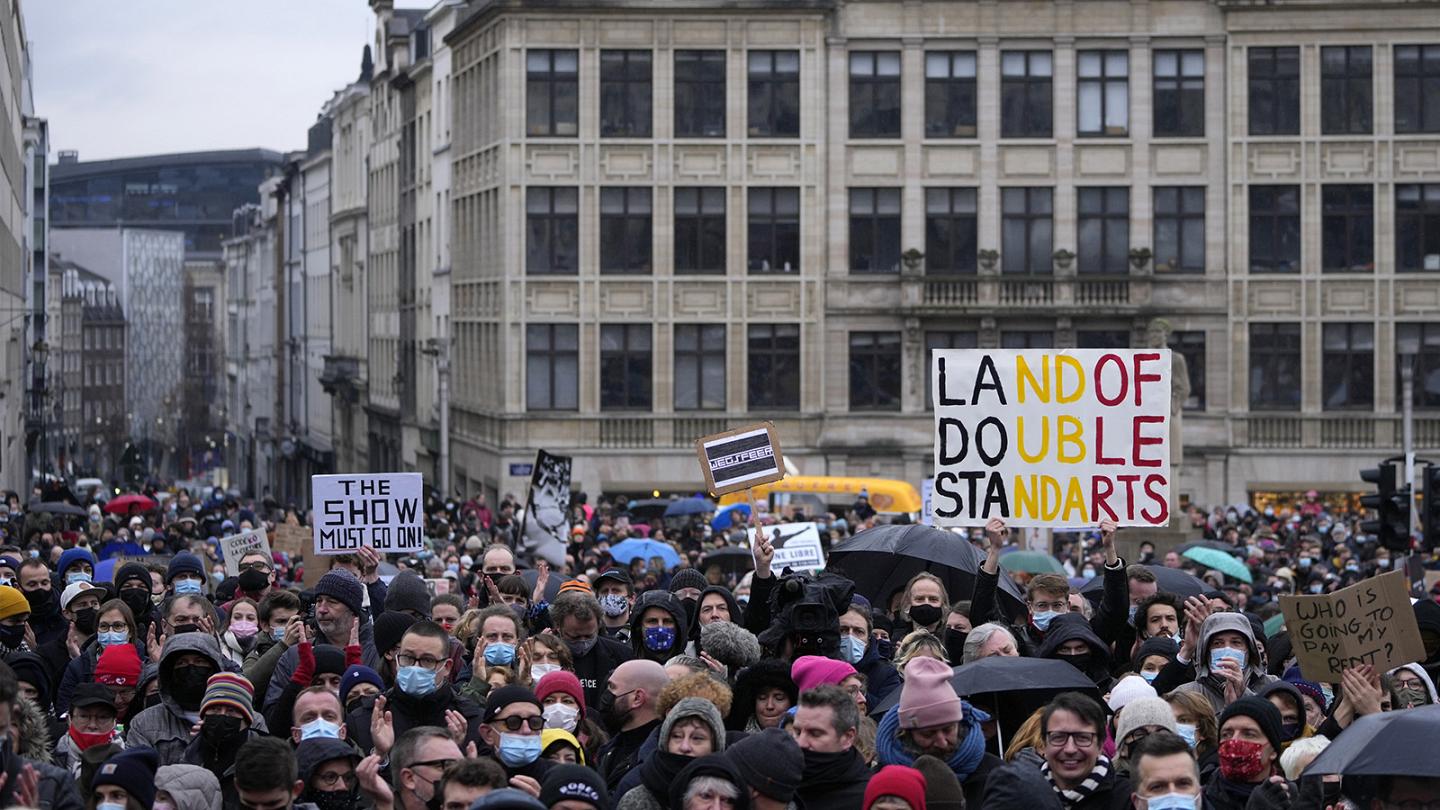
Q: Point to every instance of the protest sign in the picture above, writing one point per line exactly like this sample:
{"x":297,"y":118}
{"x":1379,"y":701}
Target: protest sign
{"x":1370,"y":622}
{"x":927,"y":492}
{"x":378,"y":510}
{"x":1057,"y":438}
{"x":291,"y":539}
{"x":235,"y":546}
{"x":797,"y":546}
{"x":545,"y":532}
{"x":741,"y":458}
{"x":438,"y":585}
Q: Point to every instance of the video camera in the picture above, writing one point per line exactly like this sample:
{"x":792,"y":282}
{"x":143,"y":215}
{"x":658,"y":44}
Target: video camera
{"x":807,"y":609}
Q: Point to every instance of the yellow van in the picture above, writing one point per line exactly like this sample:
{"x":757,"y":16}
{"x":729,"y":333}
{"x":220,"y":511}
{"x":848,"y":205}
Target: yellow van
{"x":887,"y":496}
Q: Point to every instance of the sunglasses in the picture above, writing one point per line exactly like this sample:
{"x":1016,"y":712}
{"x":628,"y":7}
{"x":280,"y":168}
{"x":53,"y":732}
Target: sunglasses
{"x":514,"y":722}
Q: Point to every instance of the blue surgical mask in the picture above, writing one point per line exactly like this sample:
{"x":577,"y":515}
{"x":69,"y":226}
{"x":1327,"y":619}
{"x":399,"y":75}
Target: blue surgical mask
{"x":1306,"y":562}
{"x":1382,"y":562}
{"x":109,"y":806}
{"x":77,"y":576}
{"x":112,"y":639}
{"x":659,"y":639}
{"x":1150,"y":676}
{"x":1178,"y":639}
{"x":453,"y":568}
{"x":416,"y":681}
{"x":1216,"y":656}
{"x":187,"y":586}
{"x":1186,"y":732}
{"x":1317,"y":587}
{"x":852,"y":649}
{"x":1043,"y":618}
{"x":1172,"y":801}
{"x":278,"y":632}
{"x":321,"y":728}
{"x":498,"y":654}
{"x":519,"y":750}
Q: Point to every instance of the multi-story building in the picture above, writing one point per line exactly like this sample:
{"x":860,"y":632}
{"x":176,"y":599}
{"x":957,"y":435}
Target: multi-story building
{"x":17,"y":370}
{"x":251,"y":259}
{"x":672,"y":221}
{"x":88,"y":348}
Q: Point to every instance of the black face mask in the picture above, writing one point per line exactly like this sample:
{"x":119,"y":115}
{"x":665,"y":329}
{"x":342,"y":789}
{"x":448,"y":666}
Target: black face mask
{"x":924,"y":615}
{"x":42,"y":602}
{"x":332,"y":799}
{"x":222,"y":733}
{"x":85,"y":620}
{"x":12,"y":636}
{"x":138,"y":600}
{"x":187,"y":685}
{"x":252,"y":581}
{"x":612,"y":717}
{"x":1080,"y":661}
{"x":182,"y":629}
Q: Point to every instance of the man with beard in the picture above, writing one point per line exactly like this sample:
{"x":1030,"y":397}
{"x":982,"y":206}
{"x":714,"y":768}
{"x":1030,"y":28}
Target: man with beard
{"x":327,"y":767}
{"x":576,"y":617}
{"x":338,"y":603}
{"x":627,"y":707}
{"x":36,"y":585}
{"x":226,"y":718}
{"x":825,"y":727}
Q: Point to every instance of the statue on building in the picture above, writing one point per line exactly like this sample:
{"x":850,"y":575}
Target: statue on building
{"x":1157,"y":336}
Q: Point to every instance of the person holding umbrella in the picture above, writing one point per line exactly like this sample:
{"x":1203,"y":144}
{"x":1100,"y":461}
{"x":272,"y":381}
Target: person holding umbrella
{"x":932,"y":719}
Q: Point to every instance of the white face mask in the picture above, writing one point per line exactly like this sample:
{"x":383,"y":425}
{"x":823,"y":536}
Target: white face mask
{"x":558,"y":715}
{"x":538,"y":671}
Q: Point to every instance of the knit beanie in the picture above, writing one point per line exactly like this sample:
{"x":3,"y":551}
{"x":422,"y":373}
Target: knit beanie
{"x":507,"y":799}
{"x":576,"y":585}
{"x":564,"y":683}
{"x":942,"y":789}
{"x":1155,"y":645}
{"x":810,"y":671}
{"x":358,"y":674}
{"x":506,"y":695}
{"x":575,"y":783}
{"x":343,"y":587}
{"x":1127,"y":689}
{"x":1142,"y":712}
{"x":899,"y":781}
{"x":1263,"y":712}
{"x":408,"y":592}
{"x":184,"y":563}
{"x":132,"y":771}
{"x":329,"y":660}
{"x":688,"y":578}
{"x":129,"y":571}
{"x":230,"y":689}
{"x":701,"y":708}
{"x":770,"y":762}
{"x":118,"y":665}
{"x":72,"y":556}
{"x":1309,"y":688}
{"x":389,"y":628}
{"x":12,"y":602}
{"x":927,"y":699}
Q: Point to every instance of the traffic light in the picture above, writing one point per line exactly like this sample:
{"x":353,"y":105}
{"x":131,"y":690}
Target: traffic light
{"x":1392,"y":509}
{"x":1431,"y":518}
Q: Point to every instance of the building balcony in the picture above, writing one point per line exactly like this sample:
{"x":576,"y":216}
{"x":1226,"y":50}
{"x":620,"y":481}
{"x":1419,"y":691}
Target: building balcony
{"x":1330,"y":431}
{"x":340,"y":377}
{"x":613,"y":431}
{"x":985,"y":294}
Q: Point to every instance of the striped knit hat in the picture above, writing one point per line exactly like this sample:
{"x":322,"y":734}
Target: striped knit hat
{"x":576,"y":585}
{"x":230,"y":689}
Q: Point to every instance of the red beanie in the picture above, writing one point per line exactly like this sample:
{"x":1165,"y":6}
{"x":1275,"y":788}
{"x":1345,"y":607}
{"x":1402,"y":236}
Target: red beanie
{"x":564,"y":682}
{"x":897,"y":780}
{"x":119,"y":665}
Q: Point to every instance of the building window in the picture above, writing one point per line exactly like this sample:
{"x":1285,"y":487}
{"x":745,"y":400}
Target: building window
{"x":1180,"y":229}
{"x":875,"y":94}
{"x":774,"y":90}
{"x":1274,"y":91}
{"x":1274,"y":366}
{"x":1345,"y":90}
{"x":625,"y":230}
{"x":875,"y":371}
{"x":1027,"y":339}
{"x":948,"y":339}
{"x":552,"y":235}
{"x":950,"y":94}
{"x":1102,"y":339}
{"x":699,"y":367}
{"x":1191,"y":346}
{"x":700,"y":230}
{"x":552,"y":92}
{"x":1417,"y":227}
{"x":774,"y":366}
{"x":625,"y":367}
{"x":1104,"y":93}
{"x":1026,"y":224}
{"x":552,"y":367}
{"x":951,"y":229}
{"x":1349,"y":366}
{"x":1179,"y":94}
{"x":625,"y":94}
{"x":874,"y":230}
{"x":1104,"y":231}
{"x":699,"y":94}
{"x":1274,"y":229}
{"x":202,"y":307}
{"x":1422,"y":341}
{"x":1026,"y":94}
{"x":774,"y":230}
{"x":1348,"y":229}
{"x":1417,"y":89}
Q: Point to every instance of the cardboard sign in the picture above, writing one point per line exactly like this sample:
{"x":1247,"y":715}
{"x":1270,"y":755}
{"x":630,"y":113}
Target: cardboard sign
{"x":438,"y":585}
{"x":797,"y":545}
{"x":236,"y":546}
{"x":291,"y":539}
{"x":1059,"y":438}
{"x":740,"y":459}
{"x":314,"y":568}
{"x":382,"y":511}
{"x":1370,"y":622}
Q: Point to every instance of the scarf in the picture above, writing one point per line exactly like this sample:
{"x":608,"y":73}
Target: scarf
{"x":659,"y":771}
{"x":963,"y":762}
{"x":1073,"y":796}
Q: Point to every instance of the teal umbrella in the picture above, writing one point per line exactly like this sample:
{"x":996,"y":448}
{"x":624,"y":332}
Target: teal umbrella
{"x":1220,"y":561}
{"x":1031,"y":562}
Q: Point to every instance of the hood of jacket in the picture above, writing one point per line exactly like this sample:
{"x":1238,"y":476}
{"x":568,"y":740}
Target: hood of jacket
{"x":32,"y":726}
{"x":1422,"y":675}
{"x":176,"y":646}
{"x":1228,"y":622}
{"x":192,"y":787}
{"x":737,"y":613}
{"x":1072,"y":627}
{"x":670,"y":604}
{"x":1427,"y":616}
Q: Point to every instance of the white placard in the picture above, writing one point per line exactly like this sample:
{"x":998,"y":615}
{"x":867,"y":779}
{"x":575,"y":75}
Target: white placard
{"x":236,"y":546}
{"x":384,"y":511}
{"x":797,"y":545}
{"x":927,"y":491}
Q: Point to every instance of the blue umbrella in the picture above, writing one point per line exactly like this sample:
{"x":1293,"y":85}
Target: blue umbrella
{"x":643,"y":548}
{"x":689,"y":506}
{"x":725,"y":518}
{"x":1220,"y":561}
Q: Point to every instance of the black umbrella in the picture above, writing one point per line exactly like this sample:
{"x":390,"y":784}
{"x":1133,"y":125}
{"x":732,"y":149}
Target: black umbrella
{"x":1385,"y":744}
{"x":731,"y":559}
{"x":1215,"y":544}
{"x":1170,"y":580}
{"x":59,"y":508}
{"x":882,"y":560}
{"x":648,"y":510}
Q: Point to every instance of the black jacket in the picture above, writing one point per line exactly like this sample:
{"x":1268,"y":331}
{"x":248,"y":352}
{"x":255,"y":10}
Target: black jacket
{"x":837,"y":786}
{"x":412,"y":712}
{"x":618,"y":756}
{"x":1021,"y":786}
{"x":593,"y":668}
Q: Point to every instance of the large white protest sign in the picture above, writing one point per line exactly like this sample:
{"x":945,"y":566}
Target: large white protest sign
{"x":1057,"y":438}
{"x":797,"y":546}
{"x":236,"y":546}
{"x":383,"y":511}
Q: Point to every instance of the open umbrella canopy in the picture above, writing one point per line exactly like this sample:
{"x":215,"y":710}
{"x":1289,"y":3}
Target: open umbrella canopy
{"x":650,"y":509}
{"x":627,"y":550}
{"x":1215,"y":544}
{"x":882,"y":560}
{"x":1170,"y":580}
{"x":731,"y":559}
{"x":59,"y":508}
{"x":129,"y":502}
{"x":1398,"y":743}
{"x":1225,"y":563}
{"x":689,"y":506}
{"x":1031,"y":562}
{"x":728,"y":516}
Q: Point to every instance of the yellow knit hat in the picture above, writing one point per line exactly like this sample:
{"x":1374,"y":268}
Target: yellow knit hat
{"x":12,"y":602}
{"x":551,"y":736}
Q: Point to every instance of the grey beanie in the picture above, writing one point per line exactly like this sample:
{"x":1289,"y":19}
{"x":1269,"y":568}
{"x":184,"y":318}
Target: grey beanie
{"x":694,"y":707}
{"x":1148,"y":711}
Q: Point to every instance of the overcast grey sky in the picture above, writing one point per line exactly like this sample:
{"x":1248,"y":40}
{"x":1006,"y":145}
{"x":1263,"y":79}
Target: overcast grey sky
{"x":135,"y":77}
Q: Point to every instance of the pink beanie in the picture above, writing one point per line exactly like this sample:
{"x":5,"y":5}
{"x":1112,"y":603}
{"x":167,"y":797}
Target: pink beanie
{"x":927,"y":699}
{"x":810,"y":671}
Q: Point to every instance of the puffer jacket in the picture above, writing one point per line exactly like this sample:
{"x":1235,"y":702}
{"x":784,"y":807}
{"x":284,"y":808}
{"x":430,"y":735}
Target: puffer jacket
{"x":165,"y":727}
{"x":191,"y":787}
{"x":1212,"y":687}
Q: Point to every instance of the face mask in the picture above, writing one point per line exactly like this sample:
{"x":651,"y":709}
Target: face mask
{"x":852,"y":649}
{"x":1412,"y":696}
{"x":85,"y":619}
{"x":244,"y":629}
{"x":137,"y":599}
{"x":42,"y":602}
{"x":1133,"y":610}
{"x":12,"y":636}
{"x":1240,"y":761}
{"x":614,"y":605}
{"x":187,"y":586}
{"x":1290,"y":731}
{"x":332,"y":799}
{"x":77,"y":576}
{"x":612,"y":716}
{"x":1382,"y":562}
{"x":659,"y":639}
{"x":221,"y":731}
{"x":885,"y":648}
{"x":85,"y":741}
{"x":499,"y":654}
{"x":539,"y":671}
{"x":1088,"y":573}
{"x":415,"y":681}
{"x":157,"y":599}
{"x":252,"y":581}
{"x":1317,"y":588}
{"x":453,"y":568}
{"x":1080,"y":662}
{"x":1306,"y":562}
{"x":111,"y":639}
{"x":581,"y":647}
{"x":277,"y":632}
{"x":187,"y":685}
{"x":924,"y":615}
{"x":1150,"y":676}
{"x":1216,"y":656}
{"x":743,"y":599}
{"x":1353,"y":568}
{"x":159,"y":805}
{"x":109,"y":806}
{"x":1186,"y":732}
{"x":1172,"y":801}
{"x":321,"y":728}
{"x":518,"y":750}
{"x":1042,"y":619}
{"x":182,"y":629}
{"x":558,"y":715}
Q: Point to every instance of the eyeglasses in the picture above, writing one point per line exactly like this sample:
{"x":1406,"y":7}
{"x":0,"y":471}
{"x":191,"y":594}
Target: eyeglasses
{"x":442,"y":764}
{"x":329,"y":779}
{"x":1058,"y":607}
{"x":1057,"y":739}
{"x":428,"y":662}
{"x":257,"y":565}
{"x":514,"y":722}
{"x":112,"y":628}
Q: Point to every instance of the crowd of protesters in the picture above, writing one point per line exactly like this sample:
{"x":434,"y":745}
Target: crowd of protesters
{"x":137,"y":675}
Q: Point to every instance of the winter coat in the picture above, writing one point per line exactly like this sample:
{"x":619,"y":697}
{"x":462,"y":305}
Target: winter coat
{"x":164,"y":726}
{"x":593,"y":668}
{"x":840,"y":787}
{"x":191,"y":787}
{"x":1073,"y":627}
{"x":82,"y":670}
{"x":411,"y":712}
{"x":1211,"y":687}
{"x":195,"y":755}
{"x":261,"y":660}
{"x":670,"y":604}
{"x":881,"y":678}
{"x":67,"y":754}
{"x":289,"y":659}
{"x":1021,"y":786}
{"x":639,"y":798}
{"x":58,"y":790}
